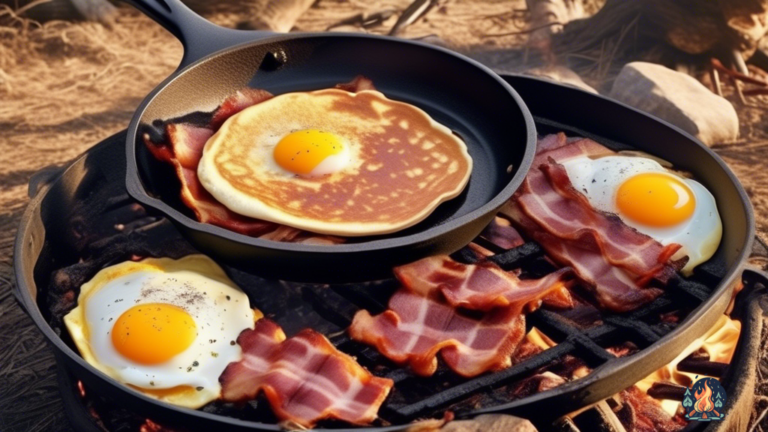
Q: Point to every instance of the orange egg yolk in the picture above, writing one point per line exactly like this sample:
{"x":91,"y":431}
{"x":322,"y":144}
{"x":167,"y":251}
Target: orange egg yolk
{"x":655,"y":199}
{"x":153,"y":333}
{"x":301,"y":151}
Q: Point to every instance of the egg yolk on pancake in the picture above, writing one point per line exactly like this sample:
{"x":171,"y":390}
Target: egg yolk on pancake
{"x":655,"y":199}
{"x":153,"y":333}
{"x":302,"y":151}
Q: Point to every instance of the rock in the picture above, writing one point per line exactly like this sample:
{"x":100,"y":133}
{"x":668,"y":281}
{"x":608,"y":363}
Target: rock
{"x":490,"y":423}
{"x":562,"y":75}
{"x":679,"y":99}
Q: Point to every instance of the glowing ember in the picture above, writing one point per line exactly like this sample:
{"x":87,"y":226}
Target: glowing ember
{"x":719,"y":342}
{"x":536,"y":337}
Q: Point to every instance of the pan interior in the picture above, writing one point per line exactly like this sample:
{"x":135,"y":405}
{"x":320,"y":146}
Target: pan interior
{"x":464,"y":97}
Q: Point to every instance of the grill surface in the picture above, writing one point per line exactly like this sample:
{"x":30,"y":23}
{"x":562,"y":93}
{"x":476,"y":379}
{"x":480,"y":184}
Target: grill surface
{"x":86,"y":221}
{"x":107,"y":227}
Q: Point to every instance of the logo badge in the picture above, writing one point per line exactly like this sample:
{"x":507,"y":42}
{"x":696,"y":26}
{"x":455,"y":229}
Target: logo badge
{"x":704,"y":400}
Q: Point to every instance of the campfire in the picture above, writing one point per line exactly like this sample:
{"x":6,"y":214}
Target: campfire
{"x":707,"y":356}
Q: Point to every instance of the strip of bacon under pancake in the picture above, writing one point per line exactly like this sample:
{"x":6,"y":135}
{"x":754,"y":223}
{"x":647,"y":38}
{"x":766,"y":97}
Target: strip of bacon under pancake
{"x":482,"y":286}
{"x":239,"y":101}
{"x":614,"y":289}
{"x":305,"y":378}
{"x":184,"y":148}
{"x":416,"y":328}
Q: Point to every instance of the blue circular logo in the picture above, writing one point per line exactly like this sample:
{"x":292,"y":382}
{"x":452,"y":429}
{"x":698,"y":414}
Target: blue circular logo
{"x":705,"y":400}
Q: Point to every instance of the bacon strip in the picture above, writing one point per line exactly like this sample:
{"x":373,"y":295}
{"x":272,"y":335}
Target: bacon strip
{"x":551,"y":142}
{"x":550,"y":199}
{"x":575,"y":148}
{"x":424,"y":318}
{"x":481,"y":286}
{"x":304,"y":378}
{"x":502,"y":234}
{"x":416,"y":328}
{"x":614,"y":289}
{"x":184,"y":149}
{"x":239,"y":101}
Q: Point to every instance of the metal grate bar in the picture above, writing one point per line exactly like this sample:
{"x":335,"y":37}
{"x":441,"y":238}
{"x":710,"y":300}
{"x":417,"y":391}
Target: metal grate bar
{"x":485,"y":382}
{"x":639,"y":329}
{"x":338,"y":304}
{"x":517,"y":257}
{"x":694,"y":289}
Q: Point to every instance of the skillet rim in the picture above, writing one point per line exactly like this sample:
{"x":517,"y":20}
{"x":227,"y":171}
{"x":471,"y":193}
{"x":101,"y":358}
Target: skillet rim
{"x":137,"y":191}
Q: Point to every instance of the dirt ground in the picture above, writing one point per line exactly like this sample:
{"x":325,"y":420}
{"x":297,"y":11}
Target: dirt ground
{"x":65,"y":86}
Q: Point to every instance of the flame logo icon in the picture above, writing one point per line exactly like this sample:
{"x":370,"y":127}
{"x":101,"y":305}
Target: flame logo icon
{"x":704,"y":400}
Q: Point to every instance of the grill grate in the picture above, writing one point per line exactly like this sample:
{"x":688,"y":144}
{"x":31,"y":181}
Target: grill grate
{"x":118,"y":228}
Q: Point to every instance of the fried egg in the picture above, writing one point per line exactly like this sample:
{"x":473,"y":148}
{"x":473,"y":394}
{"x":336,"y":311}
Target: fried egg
{"x":167,"y":328}
{"x":335,"y":162}
{"x":653,"y":200}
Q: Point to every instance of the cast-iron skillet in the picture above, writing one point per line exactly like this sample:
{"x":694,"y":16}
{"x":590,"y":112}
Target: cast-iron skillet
{"x":45,"y":243}
{"x":456,"y":91}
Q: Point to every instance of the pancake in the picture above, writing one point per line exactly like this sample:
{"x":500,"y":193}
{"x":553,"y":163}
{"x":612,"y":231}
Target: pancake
{"x":388,"y":164}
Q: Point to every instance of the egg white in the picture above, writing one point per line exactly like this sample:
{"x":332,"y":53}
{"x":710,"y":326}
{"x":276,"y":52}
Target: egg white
{"x":599,"y":179}
{"x":220,"y":311}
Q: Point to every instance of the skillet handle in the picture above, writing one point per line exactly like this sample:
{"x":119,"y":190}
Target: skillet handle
{"x":197,"y":35}
{"x":42,"y":178}
{"x":752,"y":276}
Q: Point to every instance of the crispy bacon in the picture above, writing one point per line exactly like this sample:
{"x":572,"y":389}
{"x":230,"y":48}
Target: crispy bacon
{"x":615,"y":260}
{"x":481,"y":286}
{"x":416,"y":328}
{"x":502,"y":234}
{"x":614,"y":289}
{"x":239,"y":101}
{"x":551,"y":142}
{"x":549,"y":198}
{"x":184,"y":148}
{"x":424,"y":317}
{"x":305,"y":378}
{"x":574,"y":148}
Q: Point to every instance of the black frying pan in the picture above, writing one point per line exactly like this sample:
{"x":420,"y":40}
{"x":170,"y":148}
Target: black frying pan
{"x":456,"y":91}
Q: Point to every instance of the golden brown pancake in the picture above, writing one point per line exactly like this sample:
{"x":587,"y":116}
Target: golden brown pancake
{"x":401,"y":163}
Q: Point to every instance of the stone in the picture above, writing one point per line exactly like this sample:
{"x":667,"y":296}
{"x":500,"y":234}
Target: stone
{"x":678,"y":99}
